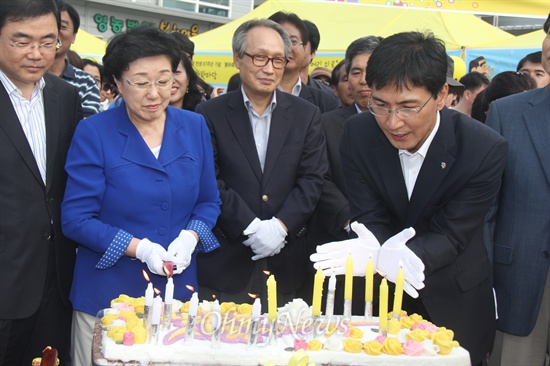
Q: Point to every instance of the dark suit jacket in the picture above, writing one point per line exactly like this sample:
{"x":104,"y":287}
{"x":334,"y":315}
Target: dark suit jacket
{"x":289,"y":187}
{"x":321,"y":99}
{"x":332,"y":211}
{"x":457,"y":182}
{"x":28,"y":208}
{"x":521,"y":241}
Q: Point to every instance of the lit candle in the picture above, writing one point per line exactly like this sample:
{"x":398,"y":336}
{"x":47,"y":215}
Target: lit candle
{"x":271,"y":298}
{"x":369,"y":281}
{"x":348,"y":285}
{"x":256,"y":309}
{"x":398,"y":299}
{"x":194,"y":304}
{"x":149,"y":295}
{"x":317,"y":292}
{"x":169,"y":291}
{"x":383,"y":305}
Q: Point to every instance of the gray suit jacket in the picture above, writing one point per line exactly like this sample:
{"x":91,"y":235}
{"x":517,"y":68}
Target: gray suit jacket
{"x":521,"y":227}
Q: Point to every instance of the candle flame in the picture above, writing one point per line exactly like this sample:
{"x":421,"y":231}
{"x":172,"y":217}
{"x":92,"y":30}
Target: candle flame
{"x":381,"y":273}
{"x":252,"y":295}
{"x":157,"y":291}
{"x":214,"y":297}
{"x":146,"y":276}
{"x":267,"y":273}
{"x":190,"y":288}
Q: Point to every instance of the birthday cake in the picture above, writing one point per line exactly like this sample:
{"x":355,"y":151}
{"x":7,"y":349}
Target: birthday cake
{"x":295,"y":338}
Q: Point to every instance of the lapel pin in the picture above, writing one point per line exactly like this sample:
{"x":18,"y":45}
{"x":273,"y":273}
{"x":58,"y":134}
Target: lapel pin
{"x":443,"y":165}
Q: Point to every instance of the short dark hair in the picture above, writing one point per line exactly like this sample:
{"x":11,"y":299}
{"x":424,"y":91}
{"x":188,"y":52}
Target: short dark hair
{"x":18,"y":10}
{"x":360,"y":46}
{"x":475,"y":62}
{"x":534,"y":58}
{"x":136,"y":43}
{"x":546,"y":25}
{"x":474,"y":80}
{"x":90,"y":62}
{"x":503,"y":84}
{"x":314,"y":35}
{"x":73,"y":14}
{"x":284,"y":17}
{"x":409,"y":59}
{"x":186,"y":45}
{"x":234,"y":82}
{"x":335,"y":76}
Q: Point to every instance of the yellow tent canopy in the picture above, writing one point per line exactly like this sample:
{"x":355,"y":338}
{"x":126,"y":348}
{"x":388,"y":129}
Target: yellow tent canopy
{"x":528,"y":40}
{"x":88,"y":46}
{"x":340,"y":24}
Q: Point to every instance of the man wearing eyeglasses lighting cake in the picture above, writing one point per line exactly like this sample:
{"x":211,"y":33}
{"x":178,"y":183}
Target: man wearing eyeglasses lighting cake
{"x":270,"y":159}
{"x":413,"y":163}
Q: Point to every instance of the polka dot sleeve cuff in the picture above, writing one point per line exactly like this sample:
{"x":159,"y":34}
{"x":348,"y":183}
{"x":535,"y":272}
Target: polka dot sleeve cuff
{"x":207,"y":240}
{"x":116,"y":249}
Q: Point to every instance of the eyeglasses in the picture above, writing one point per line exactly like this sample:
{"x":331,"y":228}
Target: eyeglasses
{"x":26,"y":47}
{"x":262,"y":60}
{"x":403,"y":113}
{"x":295,"y":42}
{"x":146,"y":84}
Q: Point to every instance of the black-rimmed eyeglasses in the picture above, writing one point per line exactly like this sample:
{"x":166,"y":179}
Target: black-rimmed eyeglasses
{"x":262,"y":60}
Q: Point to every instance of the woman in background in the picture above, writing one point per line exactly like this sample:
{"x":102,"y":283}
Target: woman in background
{"x":185,"y":92}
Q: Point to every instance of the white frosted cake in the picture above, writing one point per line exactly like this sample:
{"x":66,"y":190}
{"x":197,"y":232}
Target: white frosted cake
{"x":338,"y":341}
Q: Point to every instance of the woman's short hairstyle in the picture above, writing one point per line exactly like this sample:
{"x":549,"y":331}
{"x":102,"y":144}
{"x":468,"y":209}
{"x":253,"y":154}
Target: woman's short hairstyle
{"x":134,"y":44}
{"x":193,"y":94}
{"x":239,"y":37}
{"x":409,"y":59}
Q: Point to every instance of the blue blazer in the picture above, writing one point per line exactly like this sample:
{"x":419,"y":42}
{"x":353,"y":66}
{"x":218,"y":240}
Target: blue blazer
{"x":115,"y":183}
{"x":521,"y":229}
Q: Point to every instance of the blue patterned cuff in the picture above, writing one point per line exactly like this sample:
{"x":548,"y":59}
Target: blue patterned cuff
{"x":207,"y":240}
{"x":116,"y":249}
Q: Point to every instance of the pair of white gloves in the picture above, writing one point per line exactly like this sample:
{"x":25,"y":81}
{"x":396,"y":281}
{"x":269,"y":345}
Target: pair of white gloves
{"x":388,"y":258}
{"x":179,"y":251}
{"x":265,"y":237}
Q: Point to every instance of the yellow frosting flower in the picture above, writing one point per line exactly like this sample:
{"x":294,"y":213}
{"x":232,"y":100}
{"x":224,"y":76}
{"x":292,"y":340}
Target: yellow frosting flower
{"x":373,"y":348}
{"x":443,"y":338}
{"x":394,"y":326}
{"x":416,"y":318}
{"x":227,"y":307}
{"x":244,"y":309}
{"x":391,"y":346}
{"x":299,"y":358}
{"x":140,"y":335}
{"x":356,"y":333}
{"x":185,"y":307}
{"x":108,"y":319}
{"x":116,"y":333}
{"x":419,"y":335}
{"x":315,"y":345}
{"x":406,"y":322}
{"x":352,"y":345}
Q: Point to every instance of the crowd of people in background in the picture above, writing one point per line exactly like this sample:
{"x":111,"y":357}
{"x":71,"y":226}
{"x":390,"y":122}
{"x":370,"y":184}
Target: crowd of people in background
{"x":137,"y":157}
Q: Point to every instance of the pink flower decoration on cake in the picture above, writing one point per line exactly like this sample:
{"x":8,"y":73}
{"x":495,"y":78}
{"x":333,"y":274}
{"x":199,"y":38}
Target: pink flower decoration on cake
{"x":300,"y":344}
{"x":380,"y":339}
{"x":425,"y":326}
{"x":413,"y":348}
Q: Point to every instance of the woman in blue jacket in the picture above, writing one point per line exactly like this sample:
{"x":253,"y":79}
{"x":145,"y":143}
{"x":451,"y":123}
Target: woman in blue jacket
{"x":141,"y":185}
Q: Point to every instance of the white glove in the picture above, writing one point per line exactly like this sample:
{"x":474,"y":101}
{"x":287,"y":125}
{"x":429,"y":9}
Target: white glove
{"x":395,"y":254}
{"x":251,"y":229}
{"x":267,"y":240}
{"x":332,"y":257}
{"x":153,"y":254}
{"x":181,"y":249}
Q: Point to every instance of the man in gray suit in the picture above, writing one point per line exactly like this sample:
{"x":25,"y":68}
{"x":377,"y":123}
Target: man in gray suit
{"x":520,"y":226}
